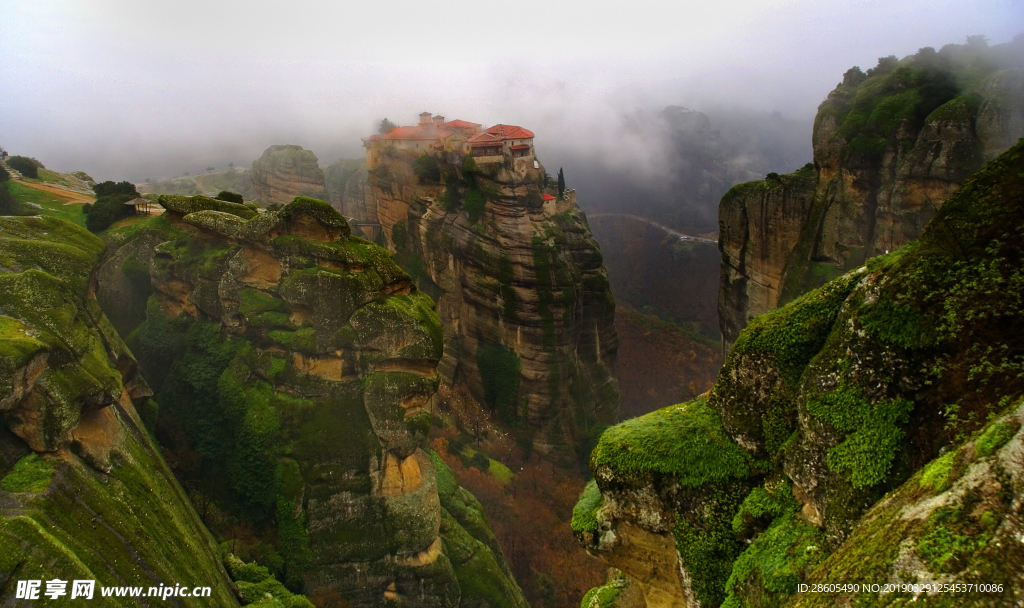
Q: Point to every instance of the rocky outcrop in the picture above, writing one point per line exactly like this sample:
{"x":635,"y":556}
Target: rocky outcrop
{"x":867,"y":432}
{"x":346,"y":182}
{"x":521,"y":291}
{"x":295,"y":366}
{"x":284,"y":172}
{"x":889,"y":147}
{"x":84,"y":492}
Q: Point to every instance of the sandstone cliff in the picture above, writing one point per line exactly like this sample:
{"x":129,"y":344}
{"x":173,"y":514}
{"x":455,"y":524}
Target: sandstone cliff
{"x":284,"y":172}
{"x":868,"y":432}
{"x":889,"y":147}
{"x":84,"y":492}
{"x":522,"y":294}
{"x":346,"y":182}
{"x":295,"y":366}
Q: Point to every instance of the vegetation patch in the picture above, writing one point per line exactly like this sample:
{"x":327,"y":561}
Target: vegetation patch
{"x":764,"y":505}
{"x":685,"y":440}
{"x":705,"y":541}
{"x":30,"y":474}
{"x":937,"y":473}
{"x":258,"y":587}
{"x":499,"y":372}
{"x":767,"y":573}
{"x":873,"y":433}
{"x":589,"y":502}
{"x":994,"y":437}
{"x":605,"y":595}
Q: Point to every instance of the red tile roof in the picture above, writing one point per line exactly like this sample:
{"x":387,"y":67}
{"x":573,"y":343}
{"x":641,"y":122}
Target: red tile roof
{"x":461,"y":123}
{"x":510,"y":132}
{"x":548,"y":197}
{"x":484,"y":137}
{"x":521,"y":147}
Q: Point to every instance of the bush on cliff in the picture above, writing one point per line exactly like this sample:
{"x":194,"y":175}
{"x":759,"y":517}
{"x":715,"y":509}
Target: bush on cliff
{"x":427,"y":170}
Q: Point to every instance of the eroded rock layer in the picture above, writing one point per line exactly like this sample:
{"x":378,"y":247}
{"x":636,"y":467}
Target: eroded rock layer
{"x":889,"y":147}
{"x":295,"y":365}
{"x":868,"y":432}
{"x":522,"y":294}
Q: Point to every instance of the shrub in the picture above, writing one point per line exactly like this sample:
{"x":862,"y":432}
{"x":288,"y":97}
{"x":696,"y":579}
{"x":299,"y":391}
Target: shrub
{"x":475,"y":205}
{"x":4,"y":175}
{"x":230,"y":197}
{"x":107,"y":210}
{"x":29,"y":167}
{"x":427,"y":170}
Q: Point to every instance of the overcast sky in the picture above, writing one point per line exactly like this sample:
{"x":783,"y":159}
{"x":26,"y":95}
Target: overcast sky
{"x":128,"y":89}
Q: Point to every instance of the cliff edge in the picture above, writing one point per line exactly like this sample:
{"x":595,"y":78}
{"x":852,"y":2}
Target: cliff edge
{"x":890,"y":146}
{"x":868,"y":432}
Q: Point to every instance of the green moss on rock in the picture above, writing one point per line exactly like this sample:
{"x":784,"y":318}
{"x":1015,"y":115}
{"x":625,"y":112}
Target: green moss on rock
{"x":587,"y":504}
{"x":191,"y":204}
{"x":31,"y":474}
{"x":685,"y":440}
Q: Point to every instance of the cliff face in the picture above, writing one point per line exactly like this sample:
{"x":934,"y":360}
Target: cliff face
{"x":868,"y":432}
{"x":284,"y":172}
{"x":889,"y":147}
{"x":84,"y":493}
{"x":521,"y":291}
{"x":346,"y":182}
{"x":295,"y":365}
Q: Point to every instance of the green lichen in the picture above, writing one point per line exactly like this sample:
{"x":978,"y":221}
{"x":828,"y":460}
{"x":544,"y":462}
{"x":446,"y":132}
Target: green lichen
{"x":793,"y":334}
{"x":31,"y":474}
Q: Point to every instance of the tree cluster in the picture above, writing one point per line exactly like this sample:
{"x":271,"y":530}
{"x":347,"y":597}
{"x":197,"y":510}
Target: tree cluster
{"x":29,"y":167}
{"x":110,"y":204}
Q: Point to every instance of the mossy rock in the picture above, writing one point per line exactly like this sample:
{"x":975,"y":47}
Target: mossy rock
{"x":185,"y":205}
{"x":686,"y":441}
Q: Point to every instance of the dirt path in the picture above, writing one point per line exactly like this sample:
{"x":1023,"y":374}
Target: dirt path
{"x":73,"y":198}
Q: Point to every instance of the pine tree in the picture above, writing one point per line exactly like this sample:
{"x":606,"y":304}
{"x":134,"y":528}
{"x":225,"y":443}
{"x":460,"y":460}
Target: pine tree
{"x":561,"y":183}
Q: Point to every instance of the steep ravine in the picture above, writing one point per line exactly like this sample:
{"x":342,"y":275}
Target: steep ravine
{"x":870,"y":431}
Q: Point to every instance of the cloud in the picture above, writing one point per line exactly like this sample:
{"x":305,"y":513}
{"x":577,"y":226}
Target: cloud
{"x":127,"y":89}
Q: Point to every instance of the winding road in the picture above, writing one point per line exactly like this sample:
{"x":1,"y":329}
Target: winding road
{"x":675,"y":233}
